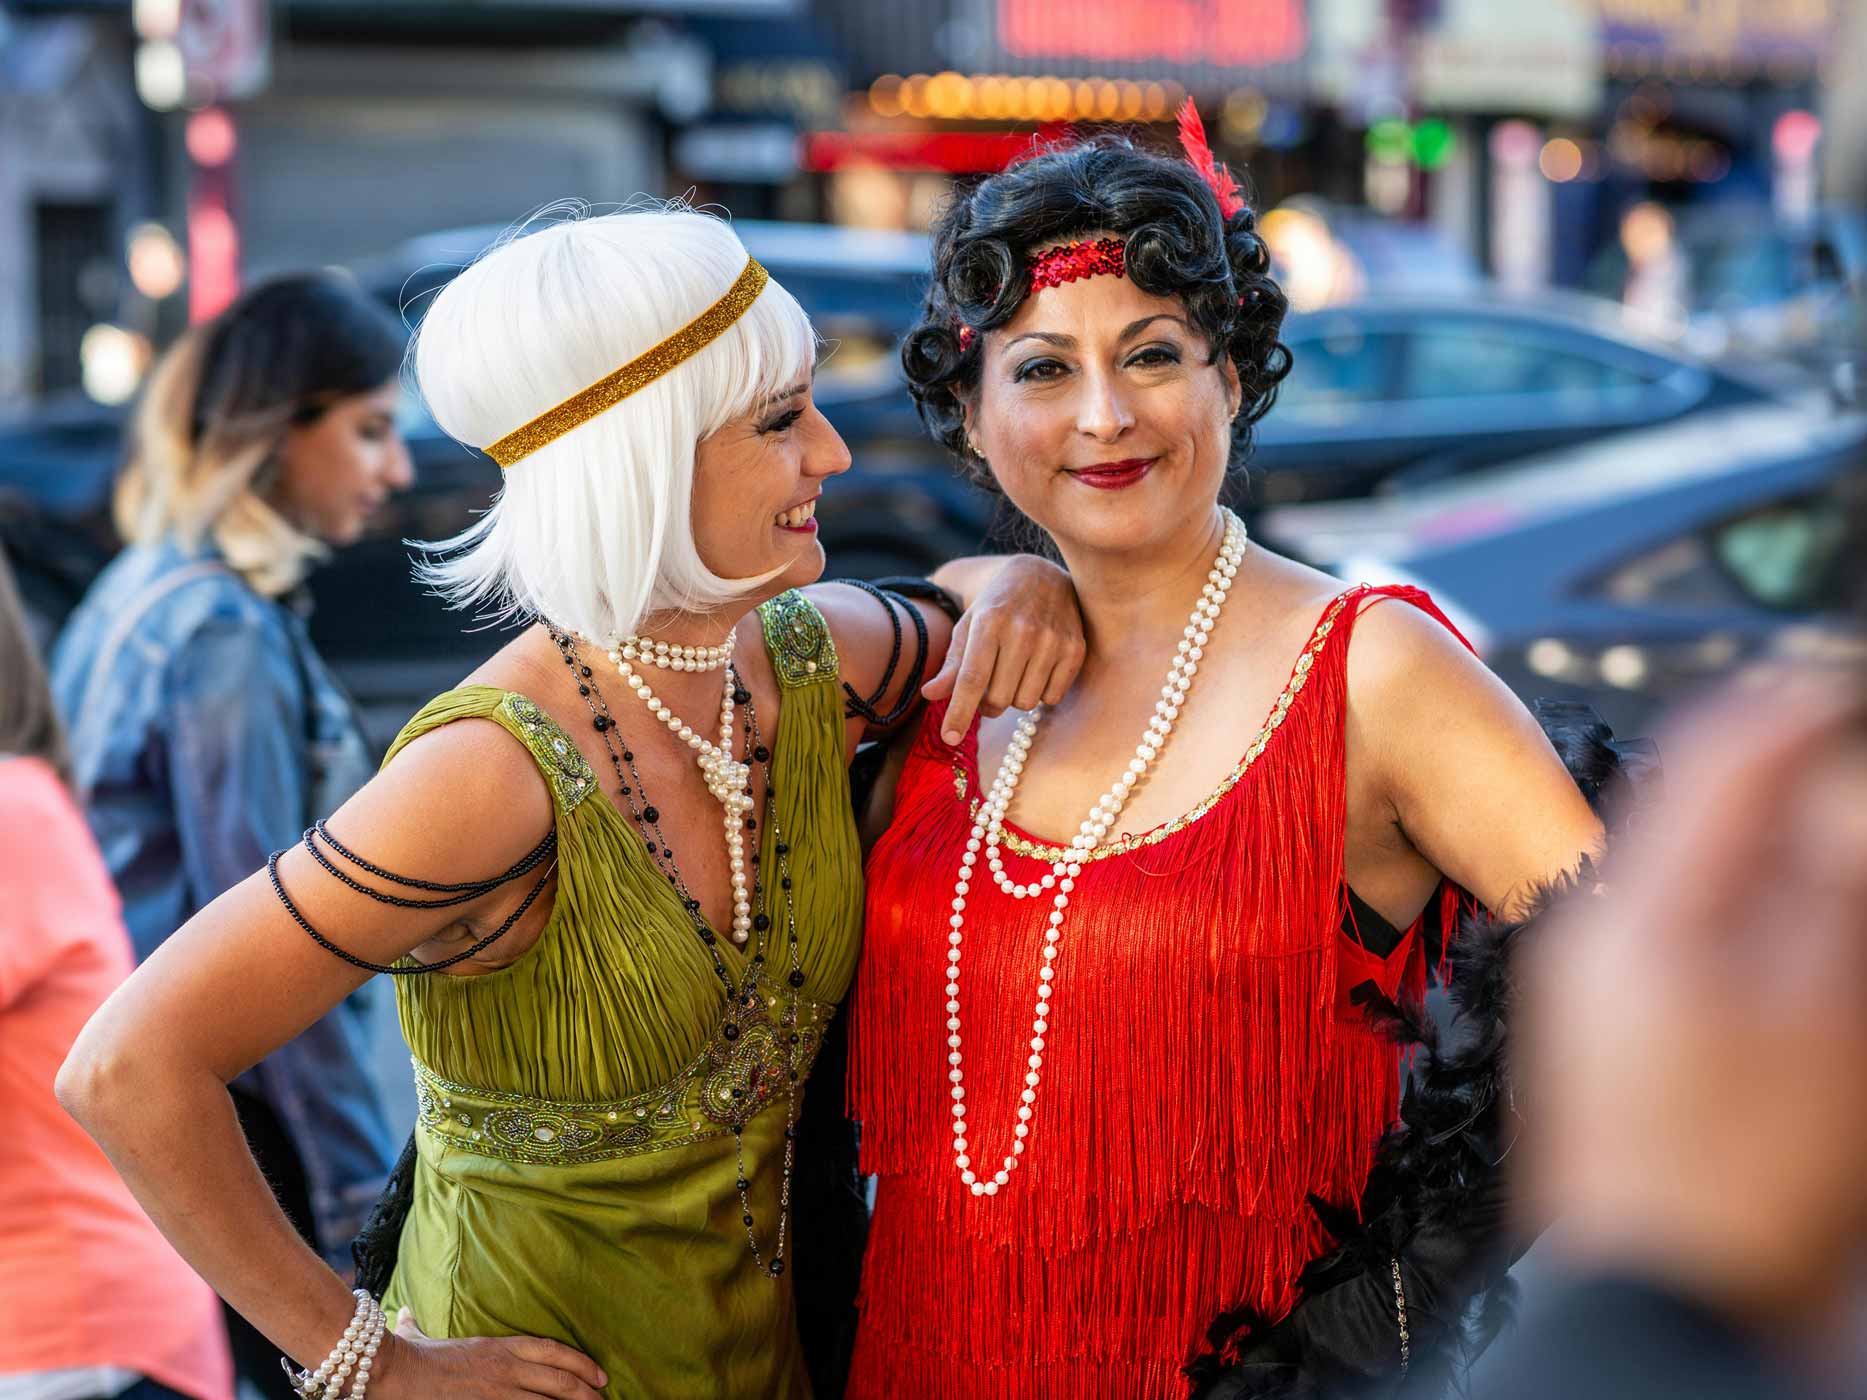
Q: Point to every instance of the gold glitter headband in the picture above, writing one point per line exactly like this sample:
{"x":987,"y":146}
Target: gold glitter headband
{"x":640,"y":372}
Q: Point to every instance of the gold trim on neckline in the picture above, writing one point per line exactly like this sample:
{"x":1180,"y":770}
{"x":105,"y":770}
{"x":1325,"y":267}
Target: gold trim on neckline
{"x":1121,"y":845}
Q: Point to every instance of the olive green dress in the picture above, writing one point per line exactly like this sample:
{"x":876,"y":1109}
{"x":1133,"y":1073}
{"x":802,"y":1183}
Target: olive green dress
{"x":577,"y":1162}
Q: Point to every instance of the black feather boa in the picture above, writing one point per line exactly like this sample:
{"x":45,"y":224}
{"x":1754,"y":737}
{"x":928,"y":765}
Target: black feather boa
{"x":1434,"y":1201}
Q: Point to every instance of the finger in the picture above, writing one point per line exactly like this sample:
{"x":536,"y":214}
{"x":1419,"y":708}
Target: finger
{"x":541,"y":1351}
{"x":1063,"y":673}
{"x":942,"y":683}
{"x":405,"y":1326}
{"x":534,"y":1379}
{"x":975,"y":677}
{"x":1062,"y":677}
{"x":1033,"y":684}
{"x":1014,"y":642}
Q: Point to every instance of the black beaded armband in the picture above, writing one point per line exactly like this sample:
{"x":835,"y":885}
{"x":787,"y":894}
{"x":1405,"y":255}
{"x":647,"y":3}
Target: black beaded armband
{"x":854,"y":705}
{"x":926,"y":590}
{"x":457,"y":894}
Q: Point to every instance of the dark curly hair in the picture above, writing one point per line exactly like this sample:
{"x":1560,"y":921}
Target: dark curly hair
{"x":1178,"y":244}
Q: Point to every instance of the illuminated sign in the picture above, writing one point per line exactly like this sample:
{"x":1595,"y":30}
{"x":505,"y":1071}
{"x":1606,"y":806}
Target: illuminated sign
{"x":1210,"y":33}
{"x":1747,"y":29}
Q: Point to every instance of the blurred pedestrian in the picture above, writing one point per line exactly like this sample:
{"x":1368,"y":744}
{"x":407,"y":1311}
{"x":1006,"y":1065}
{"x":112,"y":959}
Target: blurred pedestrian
{"x":1695,"y":1082}
{"x":613,"y":1032}
{"x":96,"y":1303}
{"x":1658,"y":282}
{"x":205,"y":729}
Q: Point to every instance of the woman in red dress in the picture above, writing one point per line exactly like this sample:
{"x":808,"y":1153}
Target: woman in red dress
{"x":1104,"y":1049}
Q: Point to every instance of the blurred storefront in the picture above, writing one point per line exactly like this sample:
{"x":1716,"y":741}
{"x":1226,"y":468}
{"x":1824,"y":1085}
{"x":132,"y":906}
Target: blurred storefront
{"x":74,"y":181}
{"x":392,"y":119}
{"x":1709,"y":134}
{"x":947,"y":89}
{"x":257,"y":135}
{"x":1583,"y":142}
{"x":1451,"y":97}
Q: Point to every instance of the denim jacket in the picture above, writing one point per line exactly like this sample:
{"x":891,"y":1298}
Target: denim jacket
{"x":206,"y":734}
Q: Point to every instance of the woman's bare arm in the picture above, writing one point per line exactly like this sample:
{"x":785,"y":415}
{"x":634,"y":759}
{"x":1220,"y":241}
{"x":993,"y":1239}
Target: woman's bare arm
{"x":1469,"y":778}
{"x":1020,"y":641}
{"x":147,"y":1077}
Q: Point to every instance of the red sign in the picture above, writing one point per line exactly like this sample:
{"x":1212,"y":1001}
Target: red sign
{"x":1216,"y":33}
{"x":955,"y":152}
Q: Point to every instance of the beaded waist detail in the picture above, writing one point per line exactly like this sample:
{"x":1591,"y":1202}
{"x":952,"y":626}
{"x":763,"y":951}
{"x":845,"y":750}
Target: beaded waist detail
{"x":725,"y":1086}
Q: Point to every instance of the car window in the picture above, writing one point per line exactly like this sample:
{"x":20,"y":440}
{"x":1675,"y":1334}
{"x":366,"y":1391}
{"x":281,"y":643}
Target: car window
{"x":1338,"y":363}
{"x":1465,"y":361}
{"x":1681,"y":573}
{"x":1785,"y":556}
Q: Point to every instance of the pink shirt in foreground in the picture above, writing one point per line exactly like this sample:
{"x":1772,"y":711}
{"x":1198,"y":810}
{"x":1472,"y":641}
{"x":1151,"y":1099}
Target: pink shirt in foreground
{"x":88,"y":1280}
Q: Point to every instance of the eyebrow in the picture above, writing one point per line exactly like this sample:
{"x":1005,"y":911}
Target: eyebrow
{"x":785,"y":396}
{"x":1133,"y":328}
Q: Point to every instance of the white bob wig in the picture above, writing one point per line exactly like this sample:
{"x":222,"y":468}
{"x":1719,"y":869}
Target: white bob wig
{"x":593,"y":531}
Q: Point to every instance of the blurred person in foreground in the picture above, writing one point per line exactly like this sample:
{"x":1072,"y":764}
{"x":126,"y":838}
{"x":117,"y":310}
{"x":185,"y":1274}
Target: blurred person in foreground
{"x":96,"y":1304}
{"x":618,"y":941}
{"x":1695,"y":1081}
{"x":205,"y":730}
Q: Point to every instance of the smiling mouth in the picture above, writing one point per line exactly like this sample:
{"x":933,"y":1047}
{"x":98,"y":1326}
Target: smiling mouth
{"x":1112,"y":476}
{"x":801,"y":518}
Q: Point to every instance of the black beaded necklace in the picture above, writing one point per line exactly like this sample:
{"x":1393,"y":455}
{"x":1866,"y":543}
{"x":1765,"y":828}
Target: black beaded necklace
{"x":742,"y":997}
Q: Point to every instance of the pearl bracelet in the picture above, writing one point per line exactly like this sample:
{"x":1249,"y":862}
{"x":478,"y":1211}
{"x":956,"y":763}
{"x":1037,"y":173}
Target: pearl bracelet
{"x":355,"y":1352}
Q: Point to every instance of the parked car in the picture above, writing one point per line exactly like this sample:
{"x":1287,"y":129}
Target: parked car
{"x":1393,"y":394}
{"x":1627,"y":571}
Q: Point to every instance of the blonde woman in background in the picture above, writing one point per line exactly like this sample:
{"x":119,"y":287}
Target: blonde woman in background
{"x":205,"y":730}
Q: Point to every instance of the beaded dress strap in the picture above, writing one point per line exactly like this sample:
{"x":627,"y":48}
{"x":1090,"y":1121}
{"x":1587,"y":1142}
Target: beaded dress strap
{"x":802,"y":651}
{"x":565,"y":769}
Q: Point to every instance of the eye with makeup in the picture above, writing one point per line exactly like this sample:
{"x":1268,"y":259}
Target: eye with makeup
{"x":1154,"y":357}
{"x":1038,"y":369}
{"x":1148,"y":357}
{"x":784,"y":422}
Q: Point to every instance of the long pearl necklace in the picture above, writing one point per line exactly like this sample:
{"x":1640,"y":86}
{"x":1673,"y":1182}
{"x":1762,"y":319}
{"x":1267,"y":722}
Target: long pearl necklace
{"x":988,"y":829}
{"x":726,"y":777}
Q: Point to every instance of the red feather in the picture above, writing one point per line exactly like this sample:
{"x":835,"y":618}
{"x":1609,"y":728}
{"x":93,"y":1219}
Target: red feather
{"x":1199,"y":154}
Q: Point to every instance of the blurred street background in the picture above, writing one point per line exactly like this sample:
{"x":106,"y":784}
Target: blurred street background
{"x":1576,"y":284}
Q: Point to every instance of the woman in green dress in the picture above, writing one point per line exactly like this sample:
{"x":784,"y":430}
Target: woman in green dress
{"x":615,"y":874}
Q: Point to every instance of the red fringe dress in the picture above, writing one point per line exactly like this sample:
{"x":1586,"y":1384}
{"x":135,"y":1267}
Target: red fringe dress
{"x":1203,"y":1073}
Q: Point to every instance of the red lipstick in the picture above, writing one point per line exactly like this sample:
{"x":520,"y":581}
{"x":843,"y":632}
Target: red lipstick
{"x":1113,"y":476}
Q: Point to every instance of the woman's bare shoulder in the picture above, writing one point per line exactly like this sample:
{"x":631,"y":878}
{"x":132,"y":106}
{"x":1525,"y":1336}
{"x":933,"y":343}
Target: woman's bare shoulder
{"x":1289,"y":596}
{"x":478,"y":784}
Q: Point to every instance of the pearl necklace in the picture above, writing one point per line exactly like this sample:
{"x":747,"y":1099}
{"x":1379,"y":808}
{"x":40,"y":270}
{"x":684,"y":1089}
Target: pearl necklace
{"x":672,"y":656}
{"x":988,"y":829}
{"x":726,"y":777}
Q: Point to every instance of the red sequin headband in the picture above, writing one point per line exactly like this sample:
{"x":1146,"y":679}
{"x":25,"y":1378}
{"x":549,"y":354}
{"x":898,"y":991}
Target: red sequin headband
{"x":1107,"y":257}
{"x":1070,"y":262}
